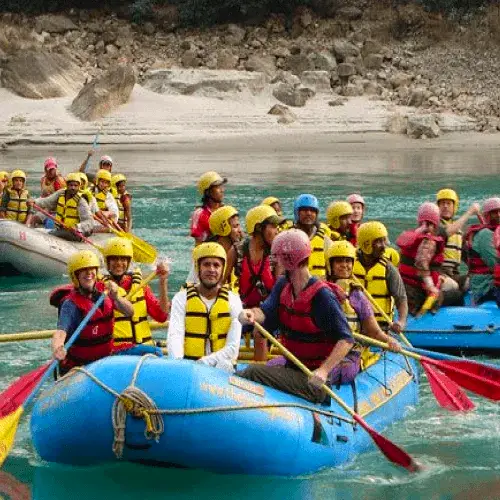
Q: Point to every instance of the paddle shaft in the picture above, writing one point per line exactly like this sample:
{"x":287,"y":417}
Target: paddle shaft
{"x":67,"y":345}
{"x":64,"y":226}
{"x":94,"y":145}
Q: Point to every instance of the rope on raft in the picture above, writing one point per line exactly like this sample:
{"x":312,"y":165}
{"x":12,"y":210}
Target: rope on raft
{"x":136,"y":402}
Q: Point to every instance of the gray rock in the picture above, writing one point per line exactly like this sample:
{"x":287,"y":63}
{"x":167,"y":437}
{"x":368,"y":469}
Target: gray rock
{"x":338,"y":101}
{"x":235,"y":34}
{"x":280,"y":51}
{"x":101,"y":96}
{"x":352,"y":90}
{"x":190,"y":59}
{"x":317,"y":80}
{"x":291,"y":95}
{"x":298,"y":63}
{"x":226,"y":60}
{"x":417,"y":96}
{"x":397,"y":124}
{"x":111,"y":50}
{"x":54,"y":24}
{"x":40,"y":75}
{"x":285,"y":115}
{"x":262,"y":64}
{"x":345,"y":70}
{"x":323,"y":61}
{"x":371,"y":47}
{"x":401,"y":79}
{"x":371,"y":87}
{"x":373,"y":61}
{"x":351,"y":13}
{"x":420,"y":125}
{"x":286,"y":77}
{"x":149,"y":28}
{"x":342,"y":49}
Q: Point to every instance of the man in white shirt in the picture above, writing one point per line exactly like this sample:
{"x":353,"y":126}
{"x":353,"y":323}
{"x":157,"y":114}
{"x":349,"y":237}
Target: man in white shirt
{"x":204,"y":322}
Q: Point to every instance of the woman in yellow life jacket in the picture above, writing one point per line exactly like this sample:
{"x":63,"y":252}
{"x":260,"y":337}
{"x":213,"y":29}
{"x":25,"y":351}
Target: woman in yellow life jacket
{"x":379,"y":276}
{"x":451,"y":231}
{"x":359,"y":313}
{"x":123,"y":200}
{"x":118,"y":253}
{"x":204,"y":322}
{"x":226,"y":230}
{"x":14,"y":204}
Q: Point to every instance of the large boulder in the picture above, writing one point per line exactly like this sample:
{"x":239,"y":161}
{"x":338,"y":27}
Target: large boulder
{"x":40,"y":75}
{"x":54,"y":24}
{"x":420,"y":126}
{"x":293,"y":95}
{"x":102,"y":95}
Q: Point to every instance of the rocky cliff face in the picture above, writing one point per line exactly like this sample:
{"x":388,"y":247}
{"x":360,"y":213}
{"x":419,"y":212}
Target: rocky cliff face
{"x":403,"y":56}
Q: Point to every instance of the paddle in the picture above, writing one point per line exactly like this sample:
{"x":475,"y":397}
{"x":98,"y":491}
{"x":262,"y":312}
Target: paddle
{"x":19,"y":395}
{"x":482,"y":380}
{"x":143,"y":251}
{"x":393,"y":452}
{"x":94,"y":145}
{"x":64,"y":226}
{"x":447,"y":393}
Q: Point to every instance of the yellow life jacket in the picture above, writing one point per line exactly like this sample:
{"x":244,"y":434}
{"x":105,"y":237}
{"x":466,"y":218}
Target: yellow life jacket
{"x":87,"y":195}
{"x":336,"y":236}
{"x":202,"y":325}
{"x":67,"y":210}
{"x":317,"y":261}
{"x":17,"y":208}
{"x":367,"y":356}
{"x":135,"y":329}
{"x":392,"y":255}
{"x":376,"y":285}
{"x":326,"y":229}
{"x":286,"y":224}
{"x":452,"y":250}
{"x":122,"y":219}
{"x":100,"y":197}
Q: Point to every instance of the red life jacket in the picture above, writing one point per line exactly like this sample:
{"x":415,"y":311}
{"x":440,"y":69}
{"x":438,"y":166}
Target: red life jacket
{"x":300,"y":334}
{"x":256,"y":280}
{"x":352,"y":234}
{"x":96,"y":339}
{"x":475,"y":263}
{"x":409,"y":241}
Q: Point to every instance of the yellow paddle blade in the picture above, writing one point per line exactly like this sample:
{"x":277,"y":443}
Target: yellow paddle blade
{"x":144,"y":252}
{"x":8,"y":428}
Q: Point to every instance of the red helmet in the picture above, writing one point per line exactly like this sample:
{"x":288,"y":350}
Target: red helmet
{"x":428,"y":212}
{"x":49,"y":163}
{"x":290,"y":248}
{"x":356,"y":198}
{"x":489,"y":205}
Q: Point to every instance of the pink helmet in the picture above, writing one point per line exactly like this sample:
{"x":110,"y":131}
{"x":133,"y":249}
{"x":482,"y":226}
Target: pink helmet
{"x":106,"y":159}
{"x":49,"y":163}
{"x":291,"y":247}
{"x":428,"y":212}
{"x":489,"y":205}
{"x":356,"y":198}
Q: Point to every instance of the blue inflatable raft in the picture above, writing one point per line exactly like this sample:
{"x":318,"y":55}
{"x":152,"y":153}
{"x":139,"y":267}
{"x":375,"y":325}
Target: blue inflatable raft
{"x":458,"y":329}
{"x":212,"y":420}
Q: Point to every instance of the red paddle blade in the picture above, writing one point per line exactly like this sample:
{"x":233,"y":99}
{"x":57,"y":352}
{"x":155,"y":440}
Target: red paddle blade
{"x":447,"y":393}
{"x":17,"y":392}
{"x":480,"y":369}
{"x":393,"y":452}
{"x":466,"y":377}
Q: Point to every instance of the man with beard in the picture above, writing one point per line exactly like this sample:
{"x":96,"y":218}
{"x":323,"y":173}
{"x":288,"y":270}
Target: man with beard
{"x":71,"y":209}
{"x":204,"y":322}
{"x":305,"y":211}
{"x":482,"y":254}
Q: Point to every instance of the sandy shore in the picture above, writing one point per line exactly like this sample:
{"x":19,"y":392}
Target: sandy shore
{"x":176,"y":121}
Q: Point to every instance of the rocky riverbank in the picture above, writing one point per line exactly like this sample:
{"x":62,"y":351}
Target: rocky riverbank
{"x":361,"y":71}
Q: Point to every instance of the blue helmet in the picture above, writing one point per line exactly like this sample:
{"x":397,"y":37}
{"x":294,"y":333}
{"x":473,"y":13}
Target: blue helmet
{"x":305,"y":201}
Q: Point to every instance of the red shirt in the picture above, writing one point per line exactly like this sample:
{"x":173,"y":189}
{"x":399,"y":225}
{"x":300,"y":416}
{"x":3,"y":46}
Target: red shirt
{"x":152,"y":302}
{"x":49,"y":187}
{"x":200,"y":227}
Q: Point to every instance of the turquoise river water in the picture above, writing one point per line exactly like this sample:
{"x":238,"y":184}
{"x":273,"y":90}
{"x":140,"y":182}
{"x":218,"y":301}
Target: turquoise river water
{"x":460,"y":452}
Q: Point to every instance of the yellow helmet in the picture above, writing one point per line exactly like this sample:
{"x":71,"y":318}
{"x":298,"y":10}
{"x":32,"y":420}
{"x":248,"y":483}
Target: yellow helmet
{"x":4,"y":175}
{"x":209,"y":179}
{"x":118,"y":178}
{"x":118,"y":247}
{"x":339,"y":249}
{"x":270,"y":200}
{"x":84,"y":180}
{"x":368,"y":233}
{"x":81,"y":260}
{"x":448,"y":194}
{"x":17,"y":174}
{"x":209,"y":249}
{"x":257,"y":215}
{"x":219,"y":220}
{"x":74,"y":177}
{"x":105,"y":175}
{"x":335,"y":211}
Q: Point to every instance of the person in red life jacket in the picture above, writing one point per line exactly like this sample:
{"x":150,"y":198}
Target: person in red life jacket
{"x":257,"y":275}
{"x":225,"y":228}
{"x":118,"y":253}
{"x":358,"y":209}
{"x":211,"y":188}
{"x":422,"y":253}
{"x":96,"y":339}
{"x":482,"y":256}
{"x":310,"y":321}
{"x":52,"y":181}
